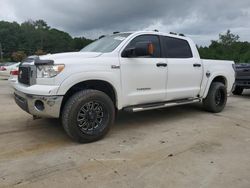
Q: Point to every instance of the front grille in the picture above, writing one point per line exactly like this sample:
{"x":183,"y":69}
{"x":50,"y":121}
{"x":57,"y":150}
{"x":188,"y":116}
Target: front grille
{"x":242,"y":82}
{"x":24,"y":75}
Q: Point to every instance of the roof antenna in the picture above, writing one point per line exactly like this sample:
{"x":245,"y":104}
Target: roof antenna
{"x":156,"y":30}
{"x":116,"y":32}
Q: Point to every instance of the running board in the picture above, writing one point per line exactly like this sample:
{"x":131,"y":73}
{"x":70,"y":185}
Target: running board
{"x":153,"y":106}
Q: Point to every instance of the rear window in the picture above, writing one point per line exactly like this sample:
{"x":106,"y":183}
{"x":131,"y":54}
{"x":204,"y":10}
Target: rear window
{"x":177,"y":48}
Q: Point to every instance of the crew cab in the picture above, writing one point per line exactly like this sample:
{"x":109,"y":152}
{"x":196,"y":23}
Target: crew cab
{"x":131,"y":71}
{"x":242,"y":78}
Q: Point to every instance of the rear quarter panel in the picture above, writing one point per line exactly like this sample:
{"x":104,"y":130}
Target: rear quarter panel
{"x":217,"y":68}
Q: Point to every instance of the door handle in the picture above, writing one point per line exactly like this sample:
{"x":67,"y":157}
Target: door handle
{"x":161,"y":64}
{"x":197,"y":65}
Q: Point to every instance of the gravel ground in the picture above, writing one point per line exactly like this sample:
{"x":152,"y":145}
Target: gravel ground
{"x":174,"y":147}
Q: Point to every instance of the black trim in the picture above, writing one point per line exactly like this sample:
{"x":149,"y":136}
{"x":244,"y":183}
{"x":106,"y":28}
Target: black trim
{"x":161,"y":38}
{"x":24,"y":75}
{"x":43,"y":62}
{"x":243,"y":83}
{"x":21,"y":102}
{"x":196,"y":65}
{"x":161,"y":64}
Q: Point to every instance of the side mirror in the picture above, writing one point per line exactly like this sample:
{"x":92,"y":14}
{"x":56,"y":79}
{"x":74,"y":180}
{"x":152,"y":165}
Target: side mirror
{"x":141,"y":49}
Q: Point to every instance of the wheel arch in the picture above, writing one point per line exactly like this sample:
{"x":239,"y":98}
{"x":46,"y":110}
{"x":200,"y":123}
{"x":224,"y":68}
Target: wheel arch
{"x":221,"y":79}
{"x":95,"y":84}
{"x":216,"y":78}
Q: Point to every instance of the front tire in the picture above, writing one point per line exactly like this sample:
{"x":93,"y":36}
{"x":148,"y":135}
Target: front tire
{"x":238,"y":90}
{"x":216,"y":99}
{"x":88,"y":115}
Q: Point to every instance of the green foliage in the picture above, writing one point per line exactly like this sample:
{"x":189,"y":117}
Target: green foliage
{"x":228,"y":38}
{"x":228,"y":47}
{"x":18,"y":56}
{"x":78,"y":43}
{"x":40,"y":52}
{"x":36,"y":37}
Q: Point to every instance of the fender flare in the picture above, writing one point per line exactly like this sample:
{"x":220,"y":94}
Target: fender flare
{"x":72,"y":80}
{"x":210,"y":81}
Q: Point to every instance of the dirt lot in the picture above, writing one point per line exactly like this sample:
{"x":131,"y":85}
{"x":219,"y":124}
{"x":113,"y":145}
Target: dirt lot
{"x":174,"y":147}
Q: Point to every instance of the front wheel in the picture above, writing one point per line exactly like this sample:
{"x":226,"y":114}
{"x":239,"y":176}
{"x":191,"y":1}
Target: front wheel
{"x":216,"y":99}
{"x":88,"y":115}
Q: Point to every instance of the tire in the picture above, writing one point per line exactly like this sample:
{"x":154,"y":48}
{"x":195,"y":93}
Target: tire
{"x":216,"y":99}
{"x":88,"y":115}
{"x":238,"y":90}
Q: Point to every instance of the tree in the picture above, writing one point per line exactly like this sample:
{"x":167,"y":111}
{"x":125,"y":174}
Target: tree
{"x":9,"y":37}
{"x":41,"y":24}
{"x":79,"y":43}
{"x":40,"y":52}
{"x":32,"y":36}
{"x":228,"y":38}
{"x":18,"y":56}
{"x":227,"y":47}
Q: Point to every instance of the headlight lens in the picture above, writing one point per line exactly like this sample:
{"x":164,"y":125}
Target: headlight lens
{"x":49,"y":71}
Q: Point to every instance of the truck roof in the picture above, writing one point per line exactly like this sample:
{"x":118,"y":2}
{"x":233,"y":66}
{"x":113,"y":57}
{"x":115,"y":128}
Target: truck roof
{"x":157,"y":33}
{"x":189,"y":40}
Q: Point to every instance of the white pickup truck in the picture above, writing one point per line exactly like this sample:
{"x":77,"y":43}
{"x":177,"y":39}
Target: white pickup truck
{"x":132,"y":71}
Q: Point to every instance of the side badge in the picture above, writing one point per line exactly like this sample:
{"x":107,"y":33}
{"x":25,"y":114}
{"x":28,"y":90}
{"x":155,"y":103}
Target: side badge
{"x":208,"y":74}
{"x":115,"y":67}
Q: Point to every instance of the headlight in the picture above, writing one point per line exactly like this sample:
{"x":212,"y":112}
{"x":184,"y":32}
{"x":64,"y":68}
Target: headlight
{"x":49,"y":71}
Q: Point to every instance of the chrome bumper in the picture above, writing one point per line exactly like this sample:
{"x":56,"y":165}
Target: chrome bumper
{"x":40,"y":106}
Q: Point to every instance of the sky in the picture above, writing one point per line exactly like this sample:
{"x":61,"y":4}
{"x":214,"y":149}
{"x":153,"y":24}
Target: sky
{"x":202,"y":20}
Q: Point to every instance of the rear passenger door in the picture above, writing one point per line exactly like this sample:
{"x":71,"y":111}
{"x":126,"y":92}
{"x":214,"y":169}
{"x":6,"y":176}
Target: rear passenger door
{"x":184,"y":71}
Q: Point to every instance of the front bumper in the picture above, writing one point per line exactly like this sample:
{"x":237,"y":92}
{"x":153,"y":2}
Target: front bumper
{"x":40,"y":106}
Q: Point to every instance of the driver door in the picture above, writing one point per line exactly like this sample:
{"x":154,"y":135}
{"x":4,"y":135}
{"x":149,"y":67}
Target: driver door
{"x":144,"y":79}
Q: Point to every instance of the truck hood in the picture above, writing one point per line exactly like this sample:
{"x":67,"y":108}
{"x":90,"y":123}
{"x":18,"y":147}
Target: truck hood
{"x":70,"y":55}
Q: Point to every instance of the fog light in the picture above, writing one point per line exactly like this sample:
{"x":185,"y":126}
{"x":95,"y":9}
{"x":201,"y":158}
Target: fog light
{"x":39,"y":105}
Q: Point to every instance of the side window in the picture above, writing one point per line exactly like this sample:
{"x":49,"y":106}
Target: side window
{"x":177,"y":48}
{"x":148,"y":38}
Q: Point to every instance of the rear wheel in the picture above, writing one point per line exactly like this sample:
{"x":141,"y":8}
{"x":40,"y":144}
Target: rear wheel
{"x":88,"y":115}
{"x":216,"y":99}
{"x":238,"y":90}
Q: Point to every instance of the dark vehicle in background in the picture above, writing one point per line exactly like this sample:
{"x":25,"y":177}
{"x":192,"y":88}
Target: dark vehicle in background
{"x":242,"y":78}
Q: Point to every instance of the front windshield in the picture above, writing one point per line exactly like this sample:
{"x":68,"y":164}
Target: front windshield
{"x":106,"y":44}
